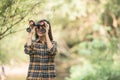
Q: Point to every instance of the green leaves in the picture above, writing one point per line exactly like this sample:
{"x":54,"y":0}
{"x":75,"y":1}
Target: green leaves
{"x":79,"y":72}
{"x":101,"y":64}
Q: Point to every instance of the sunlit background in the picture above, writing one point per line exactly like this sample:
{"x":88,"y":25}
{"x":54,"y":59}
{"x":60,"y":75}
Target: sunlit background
{"x":87,"y":33}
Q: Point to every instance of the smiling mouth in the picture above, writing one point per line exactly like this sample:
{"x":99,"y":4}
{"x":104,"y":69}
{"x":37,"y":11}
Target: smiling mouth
{"x":40,"y":32}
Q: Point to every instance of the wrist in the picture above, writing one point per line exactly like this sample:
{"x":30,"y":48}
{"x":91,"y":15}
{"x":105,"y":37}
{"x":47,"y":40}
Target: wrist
{"x":46,"y":33}
{"x":30,"y":36}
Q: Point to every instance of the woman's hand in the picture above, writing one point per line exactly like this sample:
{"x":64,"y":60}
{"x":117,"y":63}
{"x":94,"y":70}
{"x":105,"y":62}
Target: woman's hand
{"x":29,"y":39}
{"x":31,"y":33}
{"x":33,"y":30}
{"x":49,"y":43}
{"x":46,"y":27}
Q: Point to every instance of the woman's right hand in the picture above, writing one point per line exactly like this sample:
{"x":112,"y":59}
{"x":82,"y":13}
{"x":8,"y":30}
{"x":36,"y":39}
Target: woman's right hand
{"x":33,"y":31}
{"x":29,"y":40}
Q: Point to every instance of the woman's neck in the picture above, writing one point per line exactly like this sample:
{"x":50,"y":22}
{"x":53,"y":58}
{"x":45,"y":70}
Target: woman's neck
{"x":42,"y":39}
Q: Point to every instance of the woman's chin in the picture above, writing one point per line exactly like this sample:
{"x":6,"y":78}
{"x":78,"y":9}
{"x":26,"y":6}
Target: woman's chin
{"x":40,"y":34}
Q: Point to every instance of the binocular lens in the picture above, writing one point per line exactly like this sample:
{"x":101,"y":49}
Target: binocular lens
{"x":28,"y":30}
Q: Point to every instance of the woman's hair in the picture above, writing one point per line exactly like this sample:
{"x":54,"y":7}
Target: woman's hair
{"x":49,"y":31}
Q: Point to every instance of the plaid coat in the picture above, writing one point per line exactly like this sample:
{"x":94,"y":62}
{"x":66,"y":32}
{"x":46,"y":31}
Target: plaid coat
{"x":42,"y":66}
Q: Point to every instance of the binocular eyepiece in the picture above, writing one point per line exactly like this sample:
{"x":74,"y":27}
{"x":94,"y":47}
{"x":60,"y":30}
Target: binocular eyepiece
{"x":40,"y":25}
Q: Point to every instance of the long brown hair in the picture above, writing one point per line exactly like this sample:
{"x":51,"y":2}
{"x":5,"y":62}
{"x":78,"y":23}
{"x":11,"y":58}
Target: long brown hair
{"x":49,"y":32}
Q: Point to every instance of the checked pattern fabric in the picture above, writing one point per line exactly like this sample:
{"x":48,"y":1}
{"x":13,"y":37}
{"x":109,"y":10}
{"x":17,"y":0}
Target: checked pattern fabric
{"x":42,"y":66}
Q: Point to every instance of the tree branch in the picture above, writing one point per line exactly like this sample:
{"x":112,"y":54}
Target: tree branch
{"x":1,"y":37}
{"x":12,"y":25}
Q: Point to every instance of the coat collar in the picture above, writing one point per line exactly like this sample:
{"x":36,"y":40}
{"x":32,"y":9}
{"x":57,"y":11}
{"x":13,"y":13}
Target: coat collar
{"x":38,"y":40}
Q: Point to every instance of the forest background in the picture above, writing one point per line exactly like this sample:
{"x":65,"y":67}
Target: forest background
{"x":87,"y":33}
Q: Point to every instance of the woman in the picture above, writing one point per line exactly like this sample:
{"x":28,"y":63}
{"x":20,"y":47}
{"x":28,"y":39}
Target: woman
{"x":42,"y":52}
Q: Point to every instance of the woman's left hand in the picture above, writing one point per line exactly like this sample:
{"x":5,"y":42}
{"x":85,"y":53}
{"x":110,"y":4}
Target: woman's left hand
{"x":46,"y":27}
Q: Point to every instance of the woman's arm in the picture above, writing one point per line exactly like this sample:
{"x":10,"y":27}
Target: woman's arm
{"x":52,"y":45}
{"x":29,"y":44}
{"x":29,"y":39}
{"x":49,"y":43}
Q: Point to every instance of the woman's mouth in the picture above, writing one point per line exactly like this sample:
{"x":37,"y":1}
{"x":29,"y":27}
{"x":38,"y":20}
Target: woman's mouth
{"x":40,"y":32}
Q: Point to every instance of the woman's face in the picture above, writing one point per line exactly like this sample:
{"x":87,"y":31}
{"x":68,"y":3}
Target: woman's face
{"x":39,"y":33}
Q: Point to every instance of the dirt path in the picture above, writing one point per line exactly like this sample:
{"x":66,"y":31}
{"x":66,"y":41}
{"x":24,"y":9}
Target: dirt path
{"x":20,"y":72}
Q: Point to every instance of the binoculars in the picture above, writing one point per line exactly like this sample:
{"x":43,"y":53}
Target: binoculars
{"x":40,"y":25}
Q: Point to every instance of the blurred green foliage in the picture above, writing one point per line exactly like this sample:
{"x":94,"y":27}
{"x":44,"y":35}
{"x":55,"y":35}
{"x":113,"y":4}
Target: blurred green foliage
{"x":99,"y":57}
{"x":101,"y":51}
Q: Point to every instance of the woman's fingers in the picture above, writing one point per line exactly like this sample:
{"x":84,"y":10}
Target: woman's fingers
{"x":47,"y":25}
{"x":33,"y":30}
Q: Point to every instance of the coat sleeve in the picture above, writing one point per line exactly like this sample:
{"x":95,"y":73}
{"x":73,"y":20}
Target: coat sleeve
{"x":53,"y":50}
{"x":29,"y":49}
